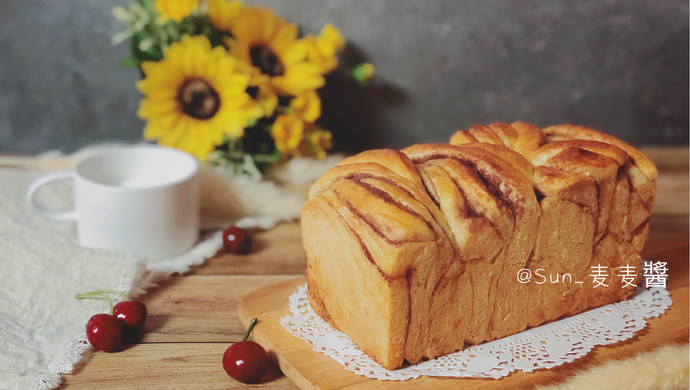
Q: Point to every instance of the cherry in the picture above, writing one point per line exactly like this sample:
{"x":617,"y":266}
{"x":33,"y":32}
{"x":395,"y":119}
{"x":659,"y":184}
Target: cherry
{"x":104,"y":332}
{"x":246,"y":361}
{"x":237,"y":240}
{"x":131,"y":313}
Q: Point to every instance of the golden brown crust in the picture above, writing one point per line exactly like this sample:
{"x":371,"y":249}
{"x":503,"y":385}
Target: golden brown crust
{"x":644,"y":172}
{"x":398,"y":229}
{"x":638,"y":170}
{"x":393,"y":160}
{"x":517,"y":160}
{"x":496,"y":228}
{"x":584,"y":133}
{"x":568,"y":156}
{"x":424,"y":245}
{"x":518,"y":136}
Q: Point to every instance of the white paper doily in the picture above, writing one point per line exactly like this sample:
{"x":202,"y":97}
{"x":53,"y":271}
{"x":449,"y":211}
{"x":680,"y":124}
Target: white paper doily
{"x":545,"y":346}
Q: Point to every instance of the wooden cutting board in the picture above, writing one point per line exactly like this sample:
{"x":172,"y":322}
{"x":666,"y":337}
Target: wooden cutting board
{"x":312,"y":370}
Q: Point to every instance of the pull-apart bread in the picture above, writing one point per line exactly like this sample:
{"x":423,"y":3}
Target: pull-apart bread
{"x":416,"y":253}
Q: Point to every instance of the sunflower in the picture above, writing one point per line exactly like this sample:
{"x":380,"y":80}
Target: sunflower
{"x":320,"y":141}
{"x":294,"y":137}
{"x":195,"y":96}
{"x":271,"y":46}
{"x":175,"y":9}
{"x":265,"y":97}
{"x":307,"y":106}
{"x":222,"y":13}
{"x":322,"y":50}
{"x":288,"y":133}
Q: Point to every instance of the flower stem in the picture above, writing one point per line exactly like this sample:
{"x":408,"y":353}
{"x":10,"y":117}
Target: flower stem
{"x":249,"y":330}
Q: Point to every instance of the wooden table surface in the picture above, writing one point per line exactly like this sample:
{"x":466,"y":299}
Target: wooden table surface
{"x":193,"y":318}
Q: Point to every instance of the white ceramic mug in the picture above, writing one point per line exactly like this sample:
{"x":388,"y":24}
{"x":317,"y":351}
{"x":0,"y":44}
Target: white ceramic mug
{"x":137,"y":199}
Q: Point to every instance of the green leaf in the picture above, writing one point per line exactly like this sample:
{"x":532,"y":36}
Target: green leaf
{"x":250,"y":168}
{"x":148,"y":4}
{"x":124,"y":16}
{"x":129,"y":62}
{"x":121,"y":37}
{"x":140,"y":12}
{"x":153,"y":54}
{"x":146,"y":44}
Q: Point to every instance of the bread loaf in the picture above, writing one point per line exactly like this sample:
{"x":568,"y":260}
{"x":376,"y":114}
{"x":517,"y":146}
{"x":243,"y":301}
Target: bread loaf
{"x":415,"y":254}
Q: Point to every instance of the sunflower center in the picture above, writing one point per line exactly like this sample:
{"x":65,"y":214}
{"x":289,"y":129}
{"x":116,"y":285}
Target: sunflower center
{"x":266,"y":59}
{"x":198,"y":99}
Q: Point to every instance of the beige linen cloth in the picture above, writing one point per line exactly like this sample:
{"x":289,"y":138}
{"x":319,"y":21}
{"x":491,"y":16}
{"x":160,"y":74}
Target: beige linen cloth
{"x":41,"y":266}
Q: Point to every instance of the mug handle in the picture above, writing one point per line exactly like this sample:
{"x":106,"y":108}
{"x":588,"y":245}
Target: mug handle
{"x":56,"y":215}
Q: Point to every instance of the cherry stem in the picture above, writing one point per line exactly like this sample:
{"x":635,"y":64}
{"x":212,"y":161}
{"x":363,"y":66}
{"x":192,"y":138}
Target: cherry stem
{"x":249,"y":330}
{"x":110,"y":304}
{"x":102,"y":294}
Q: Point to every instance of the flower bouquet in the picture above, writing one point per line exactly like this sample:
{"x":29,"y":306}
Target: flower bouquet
{"x":233,"y":85}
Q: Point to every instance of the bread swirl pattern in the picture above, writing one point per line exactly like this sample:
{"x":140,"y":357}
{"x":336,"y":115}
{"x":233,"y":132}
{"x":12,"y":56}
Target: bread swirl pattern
{"x":415,"y":253}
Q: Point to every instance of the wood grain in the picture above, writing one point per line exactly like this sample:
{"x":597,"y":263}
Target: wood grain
{"x":668,"y":158}
{"x":200,"y":308}
{"x":164,"y":366}
{"x":277,"y":251}
{"x":194,"y":318}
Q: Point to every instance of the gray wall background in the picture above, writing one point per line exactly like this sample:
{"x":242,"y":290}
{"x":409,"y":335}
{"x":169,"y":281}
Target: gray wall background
{"x":619,"y":65}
